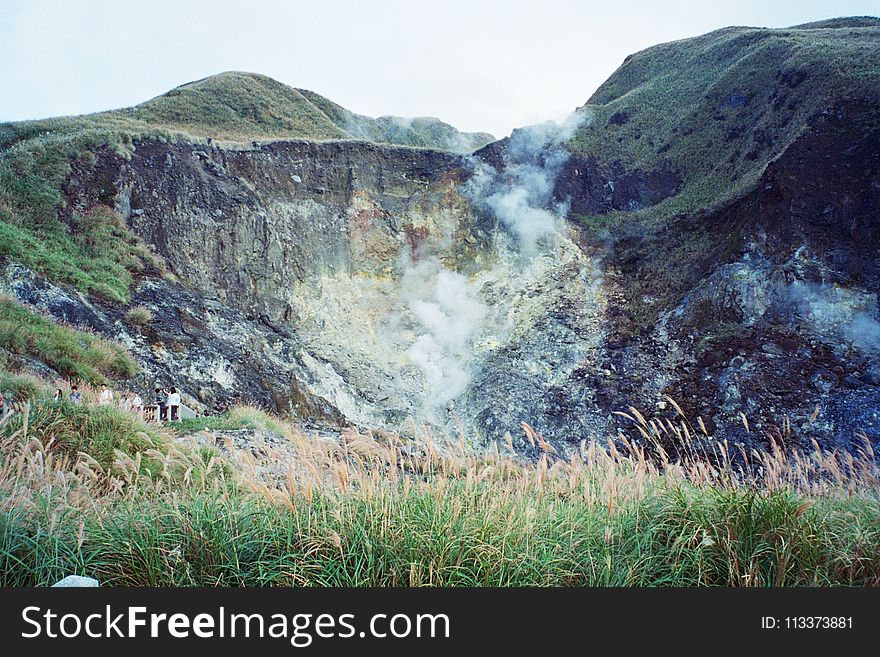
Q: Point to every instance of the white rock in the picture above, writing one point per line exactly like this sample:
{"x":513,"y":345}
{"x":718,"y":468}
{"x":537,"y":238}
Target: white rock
{"x":76,"y":581}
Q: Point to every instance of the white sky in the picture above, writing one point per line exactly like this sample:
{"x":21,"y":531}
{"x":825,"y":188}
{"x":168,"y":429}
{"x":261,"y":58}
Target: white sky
{"x":478,"y":64}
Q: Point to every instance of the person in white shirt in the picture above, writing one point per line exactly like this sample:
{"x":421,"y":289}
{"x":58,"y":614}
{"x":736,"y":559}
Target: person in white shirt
{"x":173,"y":404}
{"x":105,"y":397}
{"x":137,"y":404}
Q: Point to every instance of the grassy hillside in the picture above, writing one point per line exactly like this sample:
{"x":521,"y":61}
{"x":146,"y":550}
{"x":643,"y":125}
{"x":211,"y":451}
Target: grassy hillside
{"x":241,"y":107}
{"x":74,"y":354}
{"x":97,"y":253}
{"x":237,"y":106}
{"x":718,"y":107}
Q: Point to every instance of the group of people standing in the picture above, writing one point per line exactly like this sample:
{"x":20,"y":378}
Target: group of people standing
{"x":166,"y":406}
{"x":75,"y":396}
{"x":104,"y":397}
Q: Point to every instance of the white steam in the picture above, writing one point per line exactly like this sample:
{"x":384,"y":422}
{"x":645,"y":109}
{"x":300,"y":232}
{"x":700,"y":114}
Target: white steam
{"x":445,"y":313}
{"x":521,"y":196}
{"x":443,"y":307}
{"x":838,"y":313}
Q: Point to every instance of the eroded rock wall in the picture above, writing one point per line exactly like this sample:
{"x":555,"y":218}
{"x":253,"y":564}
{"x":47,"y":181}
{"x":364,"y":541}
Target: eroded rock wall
{"x":362,"y":284}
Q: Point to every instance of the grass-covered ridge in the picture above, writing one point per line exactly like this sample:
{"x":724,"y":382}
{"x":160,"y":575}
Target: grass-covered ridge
{"x":74,"y":354}
{"x":240,"y":107}
{"x":720,"y":106}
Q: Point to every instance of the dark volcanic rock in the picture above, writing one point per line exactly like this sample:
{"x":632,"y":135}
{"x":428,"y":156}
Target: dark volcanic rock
{"x":593,"y":189}
{"x":776,"y":308}
{"x":245,"y":224}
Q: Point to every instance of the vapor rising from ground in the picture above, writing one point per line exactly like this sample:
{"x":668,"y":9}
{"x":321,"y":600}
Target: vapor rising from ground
{"x":447,"y":307}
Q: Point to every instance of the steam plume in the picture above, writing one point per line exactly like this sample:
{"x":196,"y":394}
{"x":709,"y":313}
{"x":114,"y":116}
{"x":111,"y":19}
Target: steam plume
{"x":445,"y":306}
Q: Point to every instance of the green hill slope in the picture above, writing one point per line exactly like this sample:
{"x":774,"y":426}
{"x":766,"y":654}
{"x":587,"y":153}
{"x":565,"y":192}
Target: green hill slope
{"x":235,"y":106}
{"x":718,"y":107}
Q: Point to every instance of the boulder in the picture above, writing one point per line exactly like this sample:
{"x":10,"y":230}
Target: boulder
{"x":76,"y":581}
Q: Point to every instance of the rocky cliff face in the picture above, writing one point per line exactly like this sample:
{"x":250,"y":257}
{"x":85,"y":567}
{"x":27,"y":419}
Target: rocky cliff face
{"x":344,"y":282}
{"x":766,"y":305}
{"x":550,"y":278}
